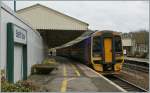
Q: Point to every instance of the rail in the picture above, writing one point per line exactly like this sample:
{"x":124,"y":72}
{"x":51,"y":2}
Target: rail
{"x":137,"y":64}
{"x":136,"y":67}
{"x":139,"y":60}
{"x":125,"y":84}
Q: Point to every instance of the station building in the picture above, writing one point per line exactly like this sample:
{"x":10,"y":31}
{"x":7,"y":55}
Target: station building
{"x":55,"y":27}
{"x":24,"y":34}
{"x":136,"y":43}
{"x":20,"y":46}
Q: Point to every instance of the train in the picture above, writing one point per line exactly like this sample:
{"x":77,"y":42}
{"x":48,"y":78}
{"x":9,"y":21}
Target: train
{"x":100,"y":50}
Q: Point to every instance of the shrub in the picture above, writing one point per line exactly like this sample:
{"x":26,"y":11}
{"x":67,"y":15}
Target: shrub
{"x":20,"y":86}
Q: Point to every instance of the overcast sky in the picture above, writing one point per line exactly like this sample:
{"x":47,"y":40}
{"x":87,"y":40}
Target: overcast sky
{"x":122,"y":16}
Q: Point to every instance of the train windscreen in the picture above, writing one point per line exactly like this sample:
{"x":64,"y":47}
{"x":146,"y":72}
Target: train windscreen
{"x":96,"y":46}
{"x":118,"y":44}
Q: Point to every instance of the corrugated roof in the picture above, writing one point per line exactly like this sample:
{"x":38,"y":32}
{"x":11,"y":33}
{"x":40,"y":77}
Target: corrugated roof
{"x":21,"y":10}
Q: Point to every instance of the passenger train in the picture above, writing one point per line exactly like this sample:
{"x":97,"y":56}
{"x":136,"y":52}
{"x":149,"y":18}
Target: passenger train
{"x":101,"y":50}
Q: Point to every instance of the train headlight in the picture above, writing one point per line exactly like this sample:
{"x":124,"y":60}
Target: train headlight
{"x":118,"y":67}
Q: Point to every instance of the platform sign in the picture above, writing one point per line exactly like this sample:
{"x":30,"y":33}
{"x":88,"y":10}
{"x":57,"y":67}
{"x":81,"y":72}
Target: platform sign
{"x":16,"y":52}
{"x":20,"y":35}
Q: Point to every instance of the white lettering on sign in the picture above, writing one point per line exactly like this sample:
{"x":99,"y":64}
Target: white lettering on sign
{"x":20,"y":35}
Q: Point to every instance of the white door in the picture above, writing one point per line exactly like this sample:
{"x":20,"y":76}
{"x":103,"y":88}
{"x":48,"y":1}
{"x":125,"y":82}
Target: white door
{"x":18,"y":63}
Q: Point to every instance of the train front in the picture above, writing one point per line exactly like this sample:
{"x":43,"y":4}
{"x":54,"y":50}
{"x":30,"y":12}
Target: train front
{"x":107,"y":52}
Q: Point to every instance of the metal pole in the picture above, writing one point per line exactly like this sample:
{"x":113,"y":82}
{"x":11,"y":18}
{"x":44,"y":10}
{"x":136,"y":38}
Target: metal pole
{"x":15,"y":5}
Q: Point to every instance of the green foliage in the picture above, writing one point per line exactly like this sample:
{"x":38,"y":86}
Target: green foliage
{"x":7,"y":87}
{"x":20,"y":86}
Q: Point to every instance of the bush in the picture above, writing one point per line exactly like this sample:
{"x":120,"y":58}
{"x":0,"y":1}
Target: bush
{"x":20,"y":86}
{"x":7,"y":87}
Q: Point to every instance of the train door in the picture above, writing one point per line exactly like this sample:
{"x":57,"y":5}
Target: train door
{"x":108,"y":50}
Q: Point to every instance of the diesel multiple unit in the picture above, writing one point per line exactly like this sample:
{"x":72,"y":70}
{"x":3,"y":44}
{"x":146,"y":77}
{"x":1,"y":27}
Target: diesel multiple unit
{"x":102,"y":50}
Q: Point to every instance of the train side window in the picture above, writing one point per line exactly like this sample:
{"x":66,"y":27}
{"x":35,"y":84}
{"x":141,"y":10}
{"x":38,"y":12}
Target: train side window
{"x":97,"y":46}
{"x":118,"y":44}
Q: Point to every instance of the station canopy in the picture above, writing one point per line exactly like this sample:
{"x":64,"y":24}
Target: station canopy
{"x":55,"y":27}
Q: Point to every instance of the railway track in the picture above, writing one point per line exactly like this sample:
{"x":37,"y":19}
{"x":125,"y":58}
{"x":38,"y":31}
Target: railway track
{"x":136,"y":67}
{"x":125,"y":84}
{"x":142,"y":67}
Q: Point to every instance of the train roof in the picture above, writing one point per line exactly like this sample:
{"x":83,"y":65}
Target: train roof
{"x":105,"y":31}
{"x":78,"y":39}
{"x":86,"y":35}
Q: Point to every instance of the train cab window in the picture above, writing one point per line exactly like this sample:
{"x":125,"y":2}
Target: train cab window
{"x":118,"y":44}
{"x":96,"y":46}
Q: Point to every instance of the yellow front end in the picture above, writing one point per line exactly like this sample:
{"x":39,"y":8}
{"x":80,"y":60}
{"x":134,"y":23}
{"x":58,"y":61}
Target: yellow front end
{"x":118,"y":67}
{"x":119,"y":62}
{"x":98,"y":67}
{"x":96,"y":64}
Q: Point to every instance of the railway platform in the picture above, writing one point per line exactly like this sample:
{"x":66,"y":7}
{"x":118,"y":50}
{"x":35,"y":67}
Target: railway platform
{"x":71,"y":76}
{"x":137,"y":59}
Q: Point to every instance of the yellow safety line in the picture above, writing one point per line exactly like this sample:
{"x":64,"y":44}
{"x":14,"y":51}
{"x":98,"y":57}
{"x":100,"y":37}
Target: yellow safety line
{"x":65,"y":71}
{"x":64,"y":82}
{"x":64,"y":85}
{"x":77,"y":72}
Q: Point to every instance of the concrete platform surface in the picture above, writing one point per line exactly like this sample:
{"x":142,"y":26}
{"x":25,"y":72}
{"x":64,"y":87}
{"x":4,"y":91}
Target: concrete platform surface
{"x":72,"y":76}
